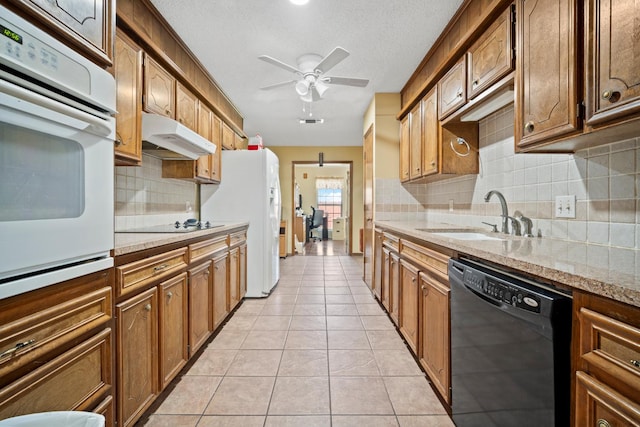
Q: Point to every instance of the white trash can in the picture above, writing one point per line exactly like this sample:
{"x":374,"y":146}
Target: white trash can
{"x":56,"y":419}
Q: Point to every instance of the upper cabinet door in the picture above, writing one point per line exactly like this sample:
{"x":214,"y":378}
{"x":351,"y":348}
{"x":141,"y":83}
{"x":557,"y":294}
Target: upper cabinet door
{"x":430,"y":132}
{"x":128,"y":74}
{"x":405,"y":147}
{"x":203,"y":168}
{"x":159,"y":89}
{"x":186,"y":107}
{"x":546,"y":79}
{"x":491,"y":57}
{"x":613,"y":68}
{"x":452,"y":89}
{"x":415,"y":142}
{"x":86,"y":25}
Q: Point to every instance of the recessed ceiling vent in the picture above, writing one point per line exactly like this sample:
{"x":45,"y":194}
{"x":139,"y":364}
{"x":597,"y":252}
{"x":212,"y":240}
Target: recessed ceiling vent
{"x":311,"y":121}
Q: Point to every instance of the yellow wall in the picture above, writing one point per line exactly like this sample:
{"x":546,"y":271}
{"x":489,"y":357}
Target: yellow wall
{"x":288,"y":154}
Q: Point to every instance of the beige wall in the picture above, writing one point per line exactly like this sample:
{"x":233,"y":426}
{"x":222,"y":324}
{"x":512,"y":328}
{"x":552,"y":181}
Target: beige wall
{"x":287,"y":155}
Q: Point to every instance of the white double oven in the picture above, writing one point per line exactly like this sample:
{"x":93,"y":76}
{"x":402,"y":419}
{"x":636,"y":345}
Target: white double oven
{"x":56,"y":160}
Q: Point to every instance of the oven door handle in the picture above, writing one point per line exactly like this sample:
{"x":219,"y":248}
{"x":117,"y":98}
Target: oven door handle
{"x":96,"y":125}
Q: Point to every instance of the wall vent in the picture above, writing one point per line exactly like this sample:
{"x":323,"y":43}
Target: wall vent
{"x":310,"y":121}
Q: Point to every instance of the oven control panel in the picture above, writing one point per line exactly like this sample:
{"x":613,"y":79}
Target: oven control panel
{"x":501,"y":291}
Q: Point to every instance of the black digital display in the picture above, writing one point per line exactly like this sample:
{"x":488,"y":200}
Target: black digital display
{"x":11,"y":34}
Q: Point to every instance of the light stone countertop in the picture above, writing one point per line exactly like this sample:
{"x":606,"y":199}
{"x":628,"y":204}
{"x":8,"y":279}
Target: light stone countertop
{"x":126,"y":243}
{"x":602,"y":270}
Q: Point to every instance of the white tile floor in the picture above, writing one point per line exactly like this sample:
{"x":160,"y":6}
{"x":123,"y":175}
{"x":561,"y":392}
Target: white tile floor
{"x":318,"y":352}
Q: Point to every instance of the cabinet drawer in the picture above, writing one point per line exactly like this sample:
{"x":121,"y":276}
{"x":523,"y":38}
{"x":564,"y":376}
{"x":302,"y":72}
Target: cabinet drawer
{"x":237,"y":238}
{"x":28,"y":338}
{"x":136,"y":275}
{"x":600,"y":406}
{"x":435,"y":261}
{"x":391,"y":242}
{"x":610,"y":347}
{"x":76,"y":380}
{"x":205,"y":249}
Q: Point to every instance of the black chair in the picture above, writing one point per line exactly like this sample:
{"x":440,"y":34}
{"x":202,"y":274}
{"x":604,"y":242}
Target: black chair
{"x":316,"y":221}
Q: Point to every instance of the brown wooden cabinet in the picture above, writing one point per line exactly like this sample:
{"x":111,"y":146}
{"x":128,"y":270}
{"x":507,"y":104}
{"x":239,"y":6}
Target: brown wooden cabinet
{"x":200,"y":303}
{"x":228,"y":137}
{"x":547,"y":92}
{"x":234,"y":278}
{"x":606,"y":348}
{"x":85,"y":25}
{"x":452,"y":89}
{"x":220,"y":285}
{"x":415,"y":142}
{"x":216,"y":158}
{"x":186,"y":107}
{"x":613,"y":79}
{"x":159,"y":89}
{"x":434,"y":331}
{"x":128,"y":75}
{"x":430,"y":133}
{"x":409,"y":289}
{"x":56,"y":347}
{"x":492,"y":56}
{"x":205,"y":129}
{"x":137,"y":355}
{"x":378,"y":265}
{"x":405,"y":148}
{"x":385,"y":289}
{"x":395,"y":288}
{"x":243,"y":270}
{"x":173,"y":327}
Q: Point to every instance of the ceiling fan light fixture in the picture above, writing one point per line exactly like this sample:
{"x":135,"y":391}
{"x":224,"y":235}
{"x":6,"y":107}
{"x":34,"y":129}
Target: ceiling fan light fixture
{"x":302,"y":87}
{"x":321,"y":88}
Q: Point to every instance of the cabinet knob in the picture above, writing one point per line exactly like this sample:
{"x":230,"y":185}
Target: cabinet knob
{"x":433,"y":163}
{"x":611,"y":95}
{"x":602,"y":423}
{"x":529,"y":127}
{"x":635,"y":363}
{"x":160,"y":267}
{"x":147,"y":307}
{"x":16,"y":348}
{"x":169,"y":295}
{"x":459,"y":94}
{"x":475,"y":83}
{"x":417,"y":169}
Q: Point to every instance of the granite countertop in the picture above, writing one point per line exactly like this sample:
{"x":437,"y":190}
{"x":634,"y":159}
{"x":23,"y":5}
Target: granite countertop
{"x":602,"y":270}
{"x":126,"y":243}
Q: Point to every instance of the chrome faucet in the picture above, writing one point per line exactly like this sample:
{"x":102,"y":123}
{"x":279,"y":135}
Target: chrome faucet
{"x":505,"y":210}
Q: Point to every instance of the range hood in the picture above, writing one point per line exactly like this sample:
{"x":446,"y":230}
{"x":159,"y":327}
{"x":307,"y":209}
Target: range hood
{"x":167,"y":139}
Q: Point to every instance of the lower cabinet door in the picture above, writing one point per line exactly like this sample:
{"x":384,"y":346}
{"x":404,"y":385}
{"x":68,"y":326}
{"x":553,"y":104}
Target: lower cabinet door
{"x":173,"y":327}
{"x":137,"y":355}
{"x":600,"y":406}
{"x":386,"y":263}
{"x":409,"y":314}
{"x":434,"y":323}
{"x":394,"y":288}
{"x":243,"y":270}
{"x":76,"y":380}
{"x":234,"y":277}
{"x":219,"y":290}
{"x":200,"y":305}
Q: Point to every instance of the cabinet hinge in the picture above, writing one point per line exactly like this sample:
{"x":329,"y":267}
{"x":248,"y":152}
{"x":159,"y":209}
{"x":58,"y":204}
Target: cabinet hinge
{"x":580,"y":110}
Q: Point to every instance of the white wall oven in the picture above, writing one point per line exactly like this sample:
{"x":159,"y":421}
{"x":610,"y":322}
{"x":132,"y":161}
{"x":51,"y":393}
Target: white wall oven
{"x":56,"y":160}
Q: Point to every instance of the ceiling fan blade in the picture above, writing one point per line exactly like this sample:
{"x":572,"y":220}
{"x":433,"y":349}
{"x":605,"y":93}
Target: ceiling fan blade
{"x":279,"y":63}
{"x":346,"y":81}
{"x":276,"y":85}
{"x":332,"y":59}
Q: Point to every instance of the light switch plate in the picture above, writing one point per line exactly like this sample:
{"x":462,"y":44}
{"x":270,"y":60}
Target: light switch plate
{"x":565,"y":206}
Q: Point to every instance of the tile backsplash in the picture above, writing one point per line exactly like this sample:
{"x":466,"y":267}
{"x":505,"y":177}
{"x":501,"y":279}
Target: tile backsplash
{"x":143,"y":198}
{"x":605,"y":181}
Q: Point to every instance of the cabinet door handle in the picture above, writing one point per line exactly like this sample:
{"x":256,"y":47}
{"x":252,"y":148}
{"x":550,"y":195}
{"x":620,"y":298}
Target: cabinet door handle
{"x":611,"y":95}
{"x":147,"y":307}
{"x":602,"y":423}
{"x":635,"y":363}
{"x":529,"y":127}
{"x":433,"y":163}
{"x":169,"y":295}
{"x":17,"y":347}
{"x":459,"y":94}
{"x":160,"y":267}
{"x":475,"y":83}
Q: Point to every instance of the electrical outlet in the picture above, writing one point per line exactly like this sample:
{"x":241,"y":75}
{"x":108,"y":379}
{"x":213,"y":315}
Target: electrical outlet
{"x":565,"y":206}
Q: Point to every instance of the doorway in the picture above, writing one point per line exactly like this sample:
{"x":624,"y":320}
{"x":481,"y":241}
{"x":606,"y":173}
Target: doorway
{"x":328,"y":190}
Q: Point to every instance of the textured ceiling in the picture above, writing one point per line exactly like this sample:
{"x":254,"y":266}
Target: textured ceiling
{"x":387,"y":40}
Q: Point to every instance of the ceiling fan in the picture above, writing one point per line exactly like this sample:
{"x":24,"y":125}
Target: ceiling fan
{"x":312,"y":83}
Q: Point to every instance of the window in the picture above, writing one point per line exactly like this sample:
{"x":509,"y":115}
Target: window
{"x":329,"y":194}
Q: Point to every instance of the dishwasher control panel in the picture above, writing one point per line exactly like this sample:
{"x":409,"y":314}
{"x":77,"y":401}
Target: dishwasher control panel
{"x":501,"y":291}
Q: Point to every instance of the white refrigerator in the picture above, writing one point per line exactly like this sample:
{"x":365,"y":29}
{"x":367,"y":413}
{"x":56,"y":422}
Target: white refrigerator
{"x":250,"y":191}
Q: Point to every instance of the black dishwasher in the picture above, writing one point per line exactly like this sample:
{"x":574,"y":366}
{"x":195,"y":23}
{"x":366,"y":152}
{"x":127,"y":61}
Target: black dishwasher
{"x":510,"y":349}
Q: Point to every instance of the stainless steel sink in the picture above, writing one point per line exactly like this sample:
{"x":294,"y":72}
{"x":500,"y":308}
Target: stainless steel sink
{"x":460,"y":233}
